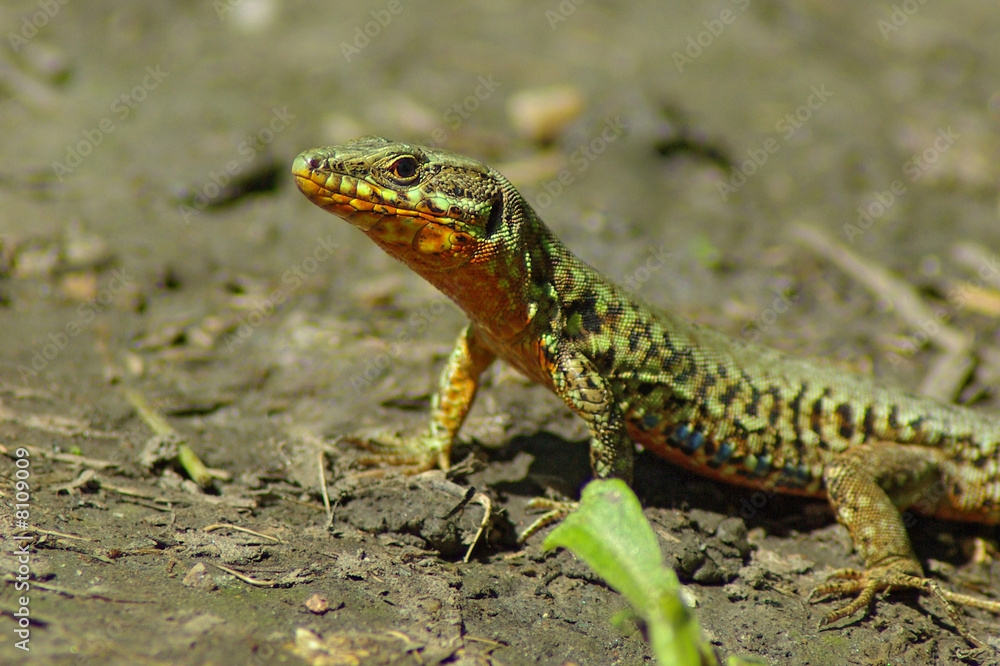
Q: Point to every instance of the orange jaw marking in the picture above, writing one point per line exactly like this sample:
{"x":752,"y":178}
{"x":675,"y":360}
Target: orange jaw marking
{"x":435,"y":238}
{"x":390,"y":224}
{"x":351,"y":208}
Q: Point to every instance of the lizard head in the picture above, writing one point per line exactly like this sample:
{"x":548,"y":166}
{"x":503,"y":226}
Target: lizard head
{"x":430,"y":208}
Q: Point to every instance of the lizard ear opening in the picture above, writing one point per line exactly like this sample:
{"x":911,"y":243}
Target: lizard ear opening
{"x":496,"y":216}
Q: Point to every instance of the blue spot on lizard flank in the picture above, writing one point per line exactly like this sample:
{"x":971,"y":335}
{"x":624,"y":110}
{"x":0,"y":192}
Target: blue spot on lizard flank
{"x":795,"y":475}
{"x":724,"y":452}
{"x":763,"y":466}
{"x":688,"y":439}
{"x":680,"y":434}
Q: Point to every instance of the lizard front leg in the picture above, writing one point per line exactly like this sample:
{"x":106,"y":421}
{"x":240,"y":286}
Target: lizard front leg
{"x":867,"y":486}
{"x":585,"y":391}
{"x":581,"y":386}
{"x":451,"y":403}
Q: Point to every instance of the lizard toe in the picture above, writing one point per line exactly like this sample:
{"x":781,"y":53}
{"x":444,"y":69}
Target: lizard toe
{"x":402,"y":455}
{"x":555,"y":511}
{"x":864,"y":585}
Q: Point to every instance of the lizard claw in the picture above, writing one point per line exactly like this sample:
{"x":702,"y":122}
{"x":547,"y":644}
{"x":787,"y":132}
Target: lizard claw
{"x":404,"y":455}
{"x":893,"y":576}
{"x":555,"y":511}
{"x":863,"y":584}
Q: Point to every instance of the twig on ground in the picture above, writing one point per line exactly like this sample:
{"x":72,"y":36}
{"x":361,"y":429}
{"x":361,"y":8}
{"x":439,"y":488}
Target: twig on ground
{"x":246,"y":530}
{"x":950,"y":372}
{"x":188,"y":459}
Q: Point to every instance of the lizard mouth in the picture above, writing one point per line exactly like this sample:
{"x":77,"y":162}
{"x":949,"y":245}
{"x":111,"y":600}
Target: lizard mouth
{"x":365,"y":206}
{"x":340,"y":195}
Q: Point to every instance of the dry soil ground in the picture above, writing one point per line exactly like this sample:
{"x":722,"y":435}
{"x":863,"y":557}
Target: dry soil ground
{"x":151,"y":239}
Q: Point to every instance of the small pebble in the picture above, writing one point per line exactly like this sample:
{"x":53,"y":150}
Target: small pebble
{"x":541,"y":114}
{"x":317,"y":604}
{"x":199,"y":578}
{"x":80,"y":287}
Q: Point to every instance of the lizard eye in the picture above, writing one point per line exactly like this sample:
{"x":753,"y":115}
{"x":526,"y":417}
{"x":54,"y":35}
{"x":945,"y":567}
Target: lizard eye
{"x":404,"y":169}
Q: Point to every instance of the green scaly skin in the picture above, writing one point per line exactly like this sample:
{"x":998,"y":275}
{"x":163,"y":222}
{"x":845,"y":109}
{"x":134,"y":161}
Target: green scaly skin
{"x":735,"y":412}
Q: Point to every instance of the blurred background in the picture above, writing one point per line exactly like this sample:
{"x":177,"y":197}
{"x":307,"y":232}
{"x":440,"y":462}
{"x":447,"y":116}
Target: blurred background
{"x":150,"y":230}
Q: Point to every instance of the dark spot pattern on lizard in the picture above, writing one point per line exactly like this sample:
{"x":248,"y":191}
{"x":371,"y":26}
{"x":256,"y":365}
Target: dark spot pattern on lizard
{"x":845,"y":412}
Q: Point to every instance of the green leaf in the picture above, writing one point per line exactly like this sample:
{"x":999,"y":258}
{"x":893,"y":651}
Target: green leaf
{"x":611,"y":534}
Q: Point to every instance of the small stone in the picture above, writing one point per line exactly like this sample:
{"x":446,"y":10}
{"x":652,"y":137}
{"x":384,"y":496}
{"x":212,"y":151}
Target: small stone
{"x":79,"y":286}
{"x":199,"y":578}
{"x":251,"y":17}
{"x":540,"y":114}
{"x":36,"y":261}
{"x":317,"y":603}
{"x":733,"y":532}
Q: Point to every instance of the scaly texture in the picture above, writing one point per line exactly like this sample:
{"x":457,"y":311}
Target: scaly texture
{"x":735,"y":412}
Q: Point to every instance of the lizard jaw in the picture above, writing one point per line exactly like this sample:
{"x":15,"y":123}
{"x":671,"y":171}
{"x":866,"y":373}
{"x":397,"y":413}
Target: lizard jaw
{"x":421,"y":232}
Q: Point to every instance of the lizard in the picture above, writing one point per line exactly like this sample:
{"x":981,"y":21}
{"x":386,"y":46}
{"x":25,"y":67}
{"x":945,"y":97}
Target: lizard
{"x":729,"y":410}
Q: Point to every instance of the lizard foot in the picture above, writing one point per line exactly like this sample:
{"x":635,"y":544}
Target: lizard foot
{"x":403,"y":455}
{"x":893,"y":576}
{"x":555,"y":511}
